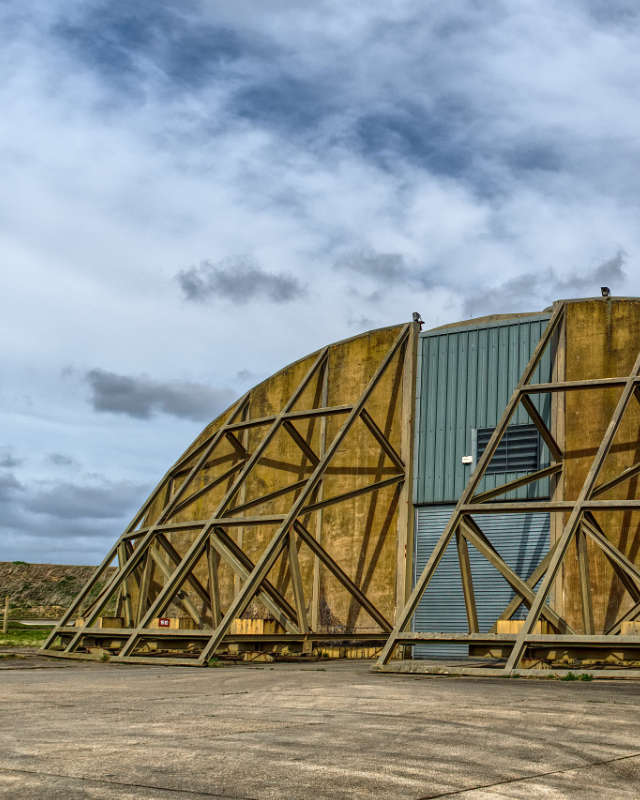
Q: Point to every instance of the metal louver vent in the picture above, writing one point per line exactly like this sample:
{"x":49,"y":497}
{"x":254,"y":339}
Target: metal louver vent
{"x":517,"y":452}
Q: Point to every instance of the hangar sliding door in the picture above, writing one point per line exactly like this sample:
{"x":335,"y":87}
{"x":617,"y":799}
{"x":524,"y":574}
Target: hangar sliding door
{"x":466,"y":375}
{"x":521,"y":539}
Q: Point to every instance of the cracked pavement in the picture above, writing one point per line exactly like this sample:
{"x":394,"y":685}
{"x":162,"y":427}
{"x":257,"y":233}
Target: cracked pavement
{"x":317,"y":730}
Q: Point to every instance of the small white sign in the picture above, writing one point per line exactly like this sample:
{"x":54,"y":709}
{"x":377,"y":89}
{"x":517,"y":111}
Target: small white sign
{"x":467,"y":459}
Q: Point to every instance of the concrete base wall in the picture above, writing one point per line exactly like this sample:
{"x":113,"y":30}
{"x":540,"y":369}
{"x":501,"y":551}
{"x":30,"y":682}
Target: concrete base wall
{"x":602,"y":339}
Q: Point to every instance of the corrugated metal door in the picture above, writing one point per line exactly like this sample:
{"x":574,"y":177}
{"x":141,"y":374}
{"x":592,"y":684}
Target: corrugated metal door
{"x":465,"y":379}
{"x":521,"y":540}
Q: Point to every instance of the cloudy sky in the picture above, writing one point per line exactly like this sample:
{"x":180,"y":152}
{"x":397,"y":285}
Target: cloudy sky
{"x":195,"y":193}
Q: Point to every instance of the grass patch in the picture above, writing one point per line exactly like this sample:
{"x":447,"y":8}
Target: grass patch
{"x":23,"y":636}
{"x":572,"y":676}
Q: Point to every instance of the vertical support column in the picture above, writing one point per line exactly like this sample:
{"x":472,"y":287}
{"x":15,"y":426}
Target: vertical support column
{"x":125,"y":596}
{"x":120,"y":602}
{"x":5,"y":619}
{"x":315,"y":592}
{"x":213,"y":561}
{"x":134,"y":579}
{"x":405,"y":524}
{"x":242,"y":496}
{"x":168,"y":492}
{"x":467,"y":582}
{"x":143,"y":599}
{"x":557,"y":427}
{"x":585,"y":582}
{"x":296,"y":581}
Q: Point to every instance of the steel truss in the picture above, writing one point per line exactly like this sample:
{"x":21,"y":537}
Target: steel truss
{"x":580,"y":524}
{"x":147,"y":547}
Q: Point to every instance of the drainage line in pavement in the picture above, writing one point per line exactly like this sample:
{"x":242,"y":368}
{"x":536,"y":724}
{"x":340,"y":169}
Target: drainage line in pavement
{"x":527,"y":777}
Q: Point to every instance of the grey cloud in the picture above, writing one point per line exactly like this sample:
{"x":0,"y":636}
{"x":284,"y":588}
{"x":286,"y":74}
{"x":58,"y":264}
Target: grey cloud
{"x":456,"y":113}
{"x":362,"y":323}
{"x":245,"y":375}
{"x":376,"y":296}
{"x":9,"y":484}
{"x":71,"y":501}
{"x":516,"y":294}
{"x":534,"y":290}
{"x":129,"y":44}
{"x":8,"y":460}
{"x":284,"y":102}
{"x":239,"y":280}
{"x":67,"y":522}
{"x":622,"y":12}
{"x":52,"y":547}
{"x":60,"y":459}
{"x":386,"y":269}
{"x":609,"y":271}
{"x":467,"y":142}
{"x":141,"y":397}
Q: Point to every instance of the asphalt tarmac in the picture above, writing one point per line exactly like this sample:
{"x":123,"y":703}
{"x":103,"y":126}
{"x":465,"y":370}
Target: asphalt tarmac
{"x":73,"y":730}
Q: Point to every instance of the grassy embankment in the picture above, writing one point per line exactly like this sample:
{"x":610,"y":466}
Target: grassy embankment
{"x":23,"y":635}
{"x":44,"y":591}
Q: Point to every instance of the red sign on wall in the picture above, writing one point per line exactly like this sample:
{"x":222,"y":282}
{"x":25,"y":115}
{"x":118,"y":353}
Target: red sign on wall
{"x":164,"y":622}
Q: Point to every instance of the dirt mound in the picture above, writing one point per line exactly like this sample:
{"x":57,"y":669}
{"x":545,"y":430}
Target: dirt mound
{"x":42,"y":590}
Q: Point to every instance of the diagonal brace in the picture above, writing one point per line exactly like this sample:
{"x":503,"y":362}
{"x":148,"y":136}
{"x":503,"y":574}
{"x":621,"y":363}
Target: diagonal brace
{"x":341,"y":576}
{"x":278,"y":542}
{"x":543,"y":430}
{"x":478,"y":539}
{"x":242,"y":565}
{"x":196,"y":548}
{"x":382,"y":440}
{"x":299,"y":439}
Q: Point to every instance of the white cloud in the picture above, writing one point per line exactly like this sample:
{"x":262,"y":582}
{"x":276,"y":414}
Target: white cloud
{"x":476,"y":144}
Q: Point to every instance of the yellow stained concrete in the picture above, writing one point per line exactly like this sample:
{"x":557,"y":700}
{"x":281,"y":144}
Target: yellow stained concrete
{"x":360,"y":534}
{"x":602,"y":341}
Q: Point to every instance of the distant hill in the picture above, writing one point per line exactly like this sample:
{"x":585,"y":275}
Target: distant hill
{"x":41,"y":590}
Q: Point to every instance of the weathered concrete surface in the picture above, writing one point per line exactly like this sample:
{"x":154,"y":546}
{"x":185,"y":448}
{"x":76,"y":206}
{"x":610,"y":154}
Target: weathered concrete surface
{"x":309,"y":731}
{"x":602,"y":341}
{"x":361,"y":533}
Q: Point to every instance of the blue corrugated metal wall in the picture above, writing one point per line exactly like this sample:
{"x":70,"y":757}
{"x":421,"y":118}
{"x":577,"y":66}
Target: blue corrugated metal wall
{"x":466,"y":376}
{"x":465,"y":379}
{"x":521,"y":540}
